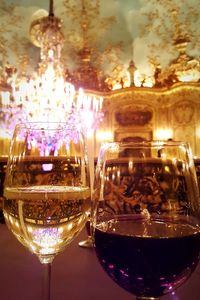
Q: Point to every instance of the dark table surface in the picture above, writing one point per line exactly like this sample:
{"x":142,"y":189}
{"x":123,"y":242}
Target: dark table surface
{"x":76,"y":275}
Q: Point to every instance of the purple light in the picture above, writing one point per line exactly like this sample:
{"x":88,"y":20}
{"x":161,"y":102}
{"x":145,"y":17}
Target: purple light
{"x":47,"y":167}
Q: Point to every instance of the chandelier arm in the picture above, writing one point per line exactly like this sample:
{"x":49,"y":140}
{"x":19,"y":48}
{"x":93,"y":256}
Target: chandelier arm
{"x":51,"y":8}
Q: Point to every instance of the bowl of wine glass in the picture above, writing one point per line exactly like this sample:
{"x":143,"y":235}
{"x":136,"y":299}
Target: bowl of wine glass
{"x":46,"y":189}
{"x":146,"y":216}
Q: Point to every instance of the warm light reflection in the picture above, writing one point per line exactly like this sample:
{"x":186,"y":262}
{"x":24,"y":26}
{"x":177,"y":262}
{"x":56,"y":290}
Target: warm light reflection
{"x":104,"y":136}
{"x":143,"y":80}
{"x":116,"y":86}
{"x":164,"y":134}
{"x":137,"y":80}
{"x":198,"y":132}
{"x":130,"y":165}
{"x":191,"y":75}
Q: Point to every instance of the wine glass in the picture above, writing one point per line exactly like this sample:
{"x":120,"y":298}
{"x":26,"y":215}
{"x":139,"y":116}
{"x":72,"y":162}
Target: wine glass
{"x":88,"y":242}
{"x":146,"y":216}
{"x":47,"y":189}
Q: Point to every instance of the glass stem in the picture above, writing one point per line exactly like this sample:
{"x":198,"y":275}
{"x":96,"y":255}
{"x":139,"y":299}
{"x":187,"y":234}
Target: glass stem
{"x":46,"y":281}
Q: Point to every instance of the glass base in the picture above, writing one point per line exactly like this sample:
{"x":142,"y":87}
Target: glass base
{"x":86,"y":243}
{"x":147,"y":298}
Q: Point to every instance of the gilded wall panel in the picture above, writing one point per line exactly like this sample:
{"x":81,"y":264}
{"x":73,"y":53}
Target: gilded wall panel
{"x":141,"y":112}
{"x":183,"y":112}
{"x":133,"y":117}
{"x":186,"y":133}
{"x":133,"y":134}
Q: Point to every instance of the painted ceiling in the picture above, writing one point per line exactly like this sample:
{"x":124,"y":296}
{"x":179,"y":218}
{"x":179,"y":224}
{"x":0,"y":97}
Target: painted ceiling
{"x":121,"y":31}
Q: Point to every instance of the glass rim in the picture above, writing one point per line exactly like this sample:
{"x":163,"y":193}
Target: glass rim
{"x":46,"y":126}
{"x":149,"y":143}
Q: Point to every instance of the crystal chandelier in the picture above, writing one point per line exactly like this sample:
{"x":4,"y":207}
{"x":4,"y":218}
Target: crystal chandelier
{"x":46,"y":95}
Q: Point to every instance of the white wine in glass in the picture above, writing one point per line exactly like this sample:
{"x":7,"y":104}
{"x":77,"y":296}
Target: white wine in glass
{"x":47,"y":189}
{"x":146,"y":216}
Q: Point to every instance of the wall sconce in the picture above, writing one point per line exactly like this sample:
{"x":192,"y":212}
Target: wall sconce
{"x":104,"y":136}
{"x":164,"y":134}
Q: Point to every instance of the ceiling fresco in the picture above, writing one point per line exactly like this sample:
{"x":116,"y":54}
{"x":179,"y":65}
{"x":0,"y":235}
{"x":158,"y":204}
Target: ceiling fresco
{"x":118,"y":31}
